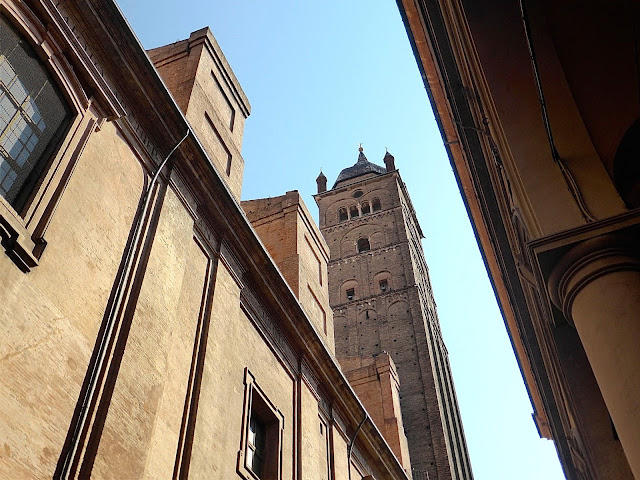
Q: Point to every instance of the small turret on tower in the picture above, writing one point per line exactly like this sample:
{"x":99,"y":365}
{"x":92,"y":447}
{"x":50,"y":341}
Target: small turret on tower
{"x":322,"y":182}
{"x":389,"y":162}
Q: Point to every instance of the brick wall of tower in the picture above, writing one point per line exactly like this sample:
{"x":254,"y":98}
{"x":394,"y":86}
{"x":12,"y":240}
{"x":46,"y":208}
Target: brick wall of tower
{"x":293,"y":240}
{"x":205,"y":88}
{"x":375,"y":381}
{"x":401,"y":320}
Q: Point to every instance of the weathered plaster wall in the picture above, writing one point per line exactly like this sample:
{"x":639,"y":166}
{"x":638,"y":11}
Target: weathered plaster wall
{"x":50,"y":317}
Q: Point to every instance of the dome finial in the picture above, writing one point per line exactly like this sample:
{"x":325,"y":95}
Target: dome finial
{"x":361,"y":157}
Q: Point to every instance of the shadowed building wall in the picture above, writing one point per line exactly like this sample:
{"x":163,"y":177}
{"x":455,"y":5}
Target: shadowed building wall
{"x":538,"y":106}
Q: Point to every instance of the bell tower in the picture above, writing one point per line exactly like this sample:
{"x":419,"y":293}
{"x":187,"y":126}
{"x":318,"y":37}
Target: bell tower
{"x":380,"y":293}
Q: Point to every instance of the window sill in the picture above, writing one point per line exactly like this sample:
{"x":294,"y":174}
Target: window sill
{"x":16,"y":239}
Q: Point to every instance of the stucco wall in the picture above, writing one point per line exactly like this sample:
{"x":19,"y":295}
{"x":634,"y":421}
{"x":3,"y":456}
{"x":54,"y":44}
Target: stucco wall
{"x":50,"y":317}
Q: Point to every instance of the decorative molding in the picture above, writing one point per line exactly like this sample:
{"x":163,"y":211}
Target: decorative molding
{"x":198,"y":358}
{"x":111,"y":95}
{"x":257,"y":312}
{"x":310,"y":379}
{"x":80,"y":48}
{"x":231,"y":262}
{"x":16,"y":239}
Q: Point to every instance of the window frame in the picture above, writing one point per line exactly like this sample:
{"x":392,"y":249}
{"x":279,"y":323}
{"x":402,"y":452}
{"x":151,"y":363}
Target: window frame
{"x":258,"y":406}
{"x":22,"y":232}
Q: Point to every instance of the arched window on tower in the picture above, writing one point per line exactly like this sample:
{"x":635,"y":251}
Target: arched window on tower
{"x":343,"y":215}
{"x":353,"y":212}
{"x":376,"y":204}
{"x":363,"y":245}
{"x":366,"y":209}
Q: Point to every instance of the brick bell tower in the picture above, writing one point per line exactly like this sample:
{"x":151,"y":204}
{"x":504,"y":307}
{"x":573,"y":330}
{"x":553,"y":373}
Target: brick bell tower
{"x":383,"y":306}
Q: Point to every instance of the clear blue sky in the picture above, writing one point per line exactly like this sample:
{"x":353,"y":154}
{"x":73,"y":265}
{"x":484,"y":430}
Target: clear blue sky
{"x":322,"y":77}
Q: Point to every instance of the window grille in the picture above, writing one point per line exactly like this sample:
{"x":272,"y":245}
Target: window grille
{"x":33,"y":115}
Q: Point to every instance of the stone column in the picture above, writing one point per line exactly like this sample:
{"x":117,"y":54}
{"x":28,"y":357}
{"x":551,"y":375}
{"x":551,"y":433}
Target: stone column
{"x":597,"y":286}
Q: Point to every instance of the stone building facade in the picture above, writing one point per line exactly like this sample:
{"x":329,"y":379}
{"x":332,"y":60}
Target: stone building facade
{"x":145,"y":331}
{"x":383,"y":307}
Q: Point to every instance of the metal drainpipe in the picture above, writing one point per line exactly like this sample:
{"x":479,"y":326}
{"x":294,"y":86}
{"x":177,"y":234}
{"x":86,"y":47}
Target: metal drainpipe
{"x":353,"y":440}
{"x":104,"y":340}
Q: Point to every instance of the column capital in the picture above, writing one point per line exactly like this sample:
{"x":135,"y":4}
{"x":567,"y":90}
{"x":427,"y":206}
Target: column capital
{"x":587,"y":261}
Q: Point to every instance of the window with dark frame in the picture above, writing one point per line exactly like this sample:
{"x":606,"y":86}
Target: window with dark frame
{"x":260,"y":456}
{"x":263,"y":436}
{"x":353,"y":212}
{"x":376,"y":205}
{"x":33,"y":117}
{"x":351,"y":293}
{"x":343,"y":215}
{"x":384,"y":285}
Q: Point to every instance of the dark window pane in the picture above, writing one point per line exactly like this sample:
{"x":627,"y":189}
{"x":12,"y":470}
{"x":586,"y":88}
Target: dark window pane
{"x":256,"y":443}
{"x":363,"y":245}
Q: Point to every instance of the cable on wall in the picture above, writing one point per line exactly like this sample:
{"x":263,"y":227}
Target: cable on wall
{"x":566,"y":173}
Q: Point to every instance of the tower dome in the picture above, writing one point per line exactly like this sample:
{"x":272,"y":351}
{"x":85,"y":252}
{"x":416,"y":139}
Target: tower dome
{"x":361,"y":167}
